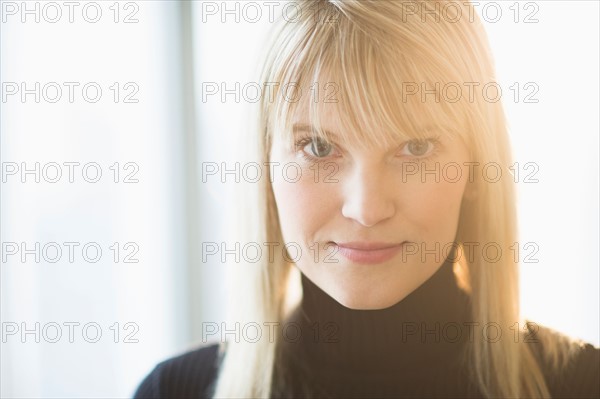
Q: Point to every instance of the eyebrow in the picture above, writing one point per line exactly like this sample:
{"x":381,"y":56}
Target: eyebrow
{"x":302,"y":127}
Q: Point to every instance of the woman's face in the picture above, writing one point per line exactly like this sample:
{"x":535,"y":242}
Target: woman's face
{"x":368,"y":226}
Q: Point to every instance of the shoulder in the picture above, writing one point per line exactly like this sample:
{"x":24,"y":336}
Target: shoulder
{"x":578,"y":375}
{"x":190,"y":375}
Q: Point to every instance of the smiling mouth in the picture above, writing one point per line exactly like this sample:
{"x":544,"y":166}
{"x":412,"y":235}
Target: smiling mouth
{"x":369,"y":252}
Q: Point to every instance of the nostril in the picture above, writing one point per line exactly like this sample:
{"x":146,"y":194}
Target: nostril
{"x":369,"y":211}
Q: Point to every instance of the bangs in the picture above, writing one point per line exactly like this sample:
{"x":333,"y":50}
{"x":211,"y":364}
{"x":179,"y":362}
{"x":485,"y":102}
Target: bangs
{"x":380,"y":93}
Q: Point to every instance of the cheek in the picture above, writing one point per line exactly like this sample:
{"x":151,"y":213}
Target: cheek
{"x":434,"y":209}
{"x":303,"y":207}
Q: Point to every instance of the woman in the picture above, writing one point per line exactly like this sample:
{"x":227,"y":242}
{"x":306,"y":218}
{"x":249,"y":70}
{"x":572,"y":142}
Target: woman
{"x":400,"y":217}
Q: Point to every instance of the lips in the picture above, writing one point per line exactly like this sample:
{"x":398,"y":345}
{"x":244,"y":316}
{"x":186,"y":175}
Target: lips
{"x":369,"y":252}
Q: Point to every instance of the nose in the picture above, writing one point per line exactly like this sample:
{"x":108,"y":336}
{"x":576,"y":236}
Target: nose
{"x":368,"y":195}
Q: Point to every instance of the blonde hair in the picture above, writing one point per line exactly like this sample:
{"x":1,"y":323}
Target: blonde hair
{"x":373,"y":52}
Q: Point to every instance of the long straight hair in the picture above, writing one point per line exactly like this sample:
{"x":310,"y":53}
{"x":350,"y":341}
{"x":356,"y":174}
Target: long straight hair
{"x":369,"y":56}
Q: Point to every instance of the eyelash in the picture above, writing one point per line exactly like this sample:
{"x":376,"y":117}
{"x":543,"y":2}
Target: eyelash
{"x":304,"y":141}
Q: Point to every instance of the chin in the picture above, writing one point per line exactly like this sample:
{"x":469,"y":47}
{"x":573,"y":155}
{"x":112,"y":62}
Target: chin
{"x":366,"y":301}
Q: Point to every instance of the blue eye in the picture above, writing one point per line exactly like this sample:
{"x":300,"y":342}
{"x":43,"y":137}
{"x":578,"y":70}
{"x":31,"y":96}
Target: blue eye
{"x":314,"y":148}
{"x":419,"y":147}
{"x":319,"y":148}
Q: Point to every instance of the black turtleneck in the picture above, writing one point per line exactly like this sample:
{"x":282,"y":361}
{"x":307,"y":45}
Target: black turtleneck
{"x":413,"y":348}
{"x":406,"y":350}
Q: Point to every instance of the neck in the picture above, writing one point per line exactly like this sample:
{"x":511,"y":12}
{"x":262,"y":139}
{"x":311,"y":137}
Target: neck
{"x":422,"y":324}
{"x":421,"y":335}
